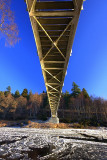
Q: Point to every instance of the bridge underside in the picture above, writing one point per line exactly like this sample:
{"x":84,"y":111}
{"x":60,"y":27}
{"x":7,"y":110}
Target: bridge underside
{"x":54,"y":25}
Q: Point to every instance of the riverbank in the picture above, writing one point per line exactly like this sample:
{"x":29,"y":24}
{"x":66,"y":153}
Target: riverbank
{"x":42,"y":124}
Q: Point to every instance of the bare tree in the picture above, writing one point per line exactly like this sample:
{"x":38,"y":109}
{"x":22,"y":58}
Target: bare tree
{"x":21,"y":108}
{"x":7,"y":105}
{"x":8,"y":27}
{"x":35,"y":101}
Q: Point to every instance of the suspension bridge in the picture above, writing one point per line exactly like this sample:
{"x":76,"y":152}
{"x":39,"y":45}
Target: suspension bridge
{"x":54,"y":24}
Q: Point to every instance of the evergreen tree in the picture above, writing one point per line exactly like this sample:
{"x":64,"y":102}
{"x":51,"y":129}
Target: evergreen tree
{"x":75,"y":90}
{"x":66,"y":93}
{"x":6,"y":93}
{"x":25,"y":93}
{"x":8,"y":89}
{"x":1,"y":93}
{"x":66,"y":96}
{"x":85,"y":94}
{"x":17,"y":94}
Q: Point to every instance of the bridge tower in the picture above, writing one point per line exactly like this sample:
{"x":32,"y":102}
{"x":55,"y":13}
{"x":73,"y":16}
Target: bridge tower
{"x":54,"y":25}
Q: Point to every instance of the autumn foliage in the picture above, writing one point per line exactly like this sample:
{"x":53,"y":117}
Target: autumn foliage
{"x":8,"y":27}
{"x":76,"y":106}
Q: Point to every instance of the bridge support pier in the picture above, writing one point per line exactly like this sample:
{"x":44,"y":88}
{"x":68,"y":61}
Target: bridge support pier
{"x":54,"y":120}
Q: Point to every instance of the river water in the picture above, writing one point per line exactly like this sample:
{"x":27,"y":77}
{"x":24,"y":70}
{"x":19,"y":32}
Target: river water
{"x":53,"y":144}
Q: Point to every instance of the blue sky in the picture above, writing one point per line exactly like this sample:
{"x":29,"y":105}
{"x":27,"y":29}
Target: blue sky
{"x":20,"y":67}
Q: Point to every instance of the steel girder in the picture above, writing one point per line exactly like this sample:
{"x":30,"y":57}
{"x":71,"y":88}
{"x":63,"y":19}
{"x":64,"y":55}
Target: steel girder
{"x":54,"y":25}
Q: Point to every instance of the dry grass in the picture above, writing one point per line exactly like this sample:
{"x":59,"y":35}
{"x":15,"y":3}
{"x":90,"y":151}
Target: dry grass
{"x":3,"y":123}
{"x":60,"y":125}
{"x":30,"y":124}
{"x":46,"y":125}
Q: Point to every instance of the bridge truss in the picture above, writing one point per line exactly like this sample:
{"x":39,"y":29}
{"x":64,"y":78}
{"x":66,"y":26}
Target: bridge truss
{"x":54,"y":25}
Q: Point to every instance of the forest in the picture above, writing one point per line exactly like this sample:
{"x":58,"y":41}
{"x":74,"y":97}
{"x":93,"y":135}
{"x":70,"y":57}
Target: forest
{"x":76,"y":106}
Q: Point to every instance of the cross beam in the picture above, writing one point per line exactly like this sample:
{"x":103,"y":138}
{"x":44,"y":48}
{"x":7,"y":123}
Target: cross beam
{"x":54,"y":25}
